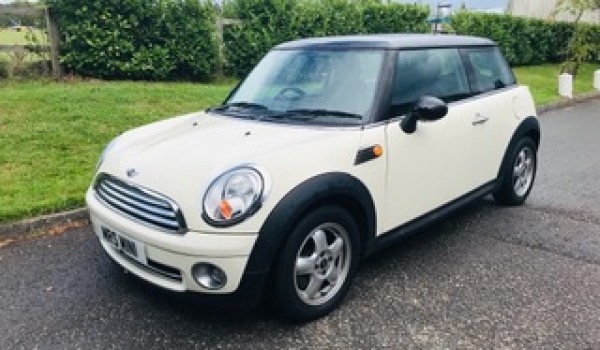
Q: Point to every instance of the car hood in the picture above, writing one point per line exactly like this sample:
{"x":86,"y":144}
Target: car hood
{"x":200,"y":147}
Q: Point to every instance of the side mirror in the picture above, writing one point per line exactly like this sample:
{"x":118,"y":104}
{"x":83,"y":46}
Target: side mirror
{"x":426,"y":108}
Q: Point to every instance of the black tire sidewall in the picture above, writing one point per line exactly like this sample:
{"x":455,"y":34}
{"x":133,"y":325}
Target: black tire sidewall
{"x":506,"y":194}
{"x":288,"y":303}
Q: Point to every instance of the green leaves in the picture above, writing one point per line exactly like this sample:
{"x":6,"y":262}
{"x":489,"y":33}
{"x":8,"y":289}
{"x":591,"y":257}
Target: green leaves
{"x":524,"y":41}
{"x":266,"y":23}
{"x":138,"y":39}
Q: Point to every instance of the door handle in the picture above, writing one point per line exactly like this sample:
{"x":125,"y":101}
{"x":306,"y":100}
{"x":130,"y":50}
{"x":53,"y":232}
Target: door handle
{"x":480,"y":119}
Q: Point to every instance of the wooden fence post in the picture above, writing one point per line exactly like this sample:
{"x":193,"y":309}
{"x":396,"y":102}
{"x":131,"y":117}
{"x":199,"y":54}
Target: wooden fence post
{"x":220,"y":55}
{"x":54,"y":38}
{"x":220,"y":23}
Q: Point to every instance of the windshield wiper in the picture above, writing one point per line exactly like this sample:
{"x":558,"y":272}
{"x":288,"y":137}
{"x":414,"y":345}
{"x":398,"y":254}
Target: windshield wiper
{"x":312,"y":113}
{"x":245,"y":105}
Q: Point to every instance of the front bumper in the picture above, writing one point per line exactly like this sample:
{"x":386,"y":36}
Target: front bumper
{"x":168,"y":257}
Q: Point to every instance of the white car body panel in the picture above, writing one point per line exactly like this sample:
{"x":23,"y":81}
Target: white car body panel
{"x":454,"y":149}
{"x":180,"y":157}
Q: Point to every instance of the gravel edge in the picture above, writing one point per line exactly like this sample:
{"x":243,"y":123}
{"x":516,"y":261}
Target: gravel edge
{"x":46,"y":222}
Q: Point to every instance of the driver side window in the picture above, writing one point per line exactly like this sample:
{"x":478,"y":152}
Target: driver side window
{"x":432,"y":72}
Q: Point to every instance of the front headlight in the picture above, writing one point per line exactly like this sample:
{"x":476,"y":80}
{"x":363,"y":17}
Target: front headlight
{"x":234,"y":196}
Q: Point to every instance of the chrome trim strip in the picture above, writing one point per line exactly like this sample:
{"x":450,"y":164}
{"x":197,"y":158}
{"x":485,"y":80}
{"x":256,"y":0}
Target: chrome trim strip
{"x":117,"y":187}
{"x":136,"y":212}
{"x":120,"y":196}
{"x":105,"y":187}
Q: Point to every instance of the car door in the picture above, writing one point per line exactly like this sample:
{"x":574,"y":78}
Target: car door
{"x":439,"y":162}
{"x":495,"y":104}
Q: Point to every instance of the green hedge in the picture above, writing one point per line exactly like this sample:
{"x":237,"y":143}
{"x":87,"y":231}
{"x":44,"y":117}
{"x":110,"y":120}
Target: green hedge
{"x":265,"y":23}
{"x":524,"y":41}
{"x":176,"y":39}
{"x":137,"y":39}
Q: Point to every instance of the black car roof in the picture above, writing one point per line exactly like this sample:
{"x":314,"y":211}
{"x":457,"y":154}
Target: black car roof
{"x":387,"y":41}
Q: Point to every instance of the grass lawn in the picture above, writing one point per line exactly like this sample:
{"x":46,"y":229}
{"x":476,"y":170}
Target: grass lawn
{"x":52,"y":133}
{"x":12,"y":37}
{"x":543,"y":80}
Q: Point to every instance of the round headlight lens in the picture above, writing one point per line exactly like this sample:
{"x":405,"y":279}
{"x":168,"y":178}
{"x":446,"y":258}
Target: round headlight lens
{"x":234,"y":196}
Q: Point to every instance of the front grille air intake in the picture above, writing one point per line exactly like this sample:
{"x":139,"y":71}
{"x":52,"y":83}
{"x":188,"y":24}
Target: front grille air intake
{"x":139,"y":204}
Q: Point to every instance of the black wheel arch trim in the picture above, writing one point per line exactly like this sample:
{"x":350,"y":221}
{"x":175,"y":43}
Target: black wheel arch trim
{"x":530,"y":126}
{"x":315,"y":191}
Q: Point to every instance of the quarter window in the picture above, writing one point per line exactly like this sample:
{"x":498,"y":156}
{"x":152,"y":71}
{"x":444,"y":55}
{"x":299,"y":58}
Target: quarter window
{"x":490,"y":70}
{"x":432,"y":72}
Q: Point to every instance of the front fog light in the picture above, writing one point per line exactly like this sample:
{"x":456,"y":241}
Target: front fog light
{"x":209,"y":276}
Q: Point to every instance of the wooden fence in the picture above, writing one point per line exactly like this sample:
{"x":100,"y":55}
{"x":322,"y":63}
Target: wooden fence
{"x":53,"y":36}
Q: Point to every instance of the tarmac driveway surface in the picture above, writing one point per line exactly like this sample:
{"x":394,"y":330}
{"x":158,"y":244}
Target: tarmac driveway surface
{"x":488,"y":277}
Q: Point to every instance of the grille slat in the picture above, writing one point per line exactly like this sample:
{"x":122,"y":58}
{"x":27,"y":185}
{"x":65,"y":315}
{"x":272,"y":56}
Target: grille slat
{"x":168,"y":214}
{"x":141,"y":196}
{"x":139,"y":204}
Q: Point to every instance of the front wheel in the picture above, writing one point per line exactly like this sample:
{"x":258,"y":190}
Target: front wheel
{"x":317,"y":264}
{"x":519,"y":175}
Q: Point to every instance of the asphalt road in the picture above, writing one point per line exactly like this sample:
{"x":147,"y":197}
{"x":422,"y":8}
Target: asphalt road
{"x":526,"y":277}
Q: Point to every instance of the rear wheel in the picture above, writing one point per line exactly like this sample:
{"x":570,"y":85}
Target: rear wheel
{"x":519,"y":174}
{"x":317,"y":264}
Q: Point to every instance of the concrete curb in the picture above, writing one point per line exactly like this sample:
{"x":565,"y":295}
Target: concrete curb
{"x":568,"y":102}
{"x":48,"y":221}
{"x":44,"y":222}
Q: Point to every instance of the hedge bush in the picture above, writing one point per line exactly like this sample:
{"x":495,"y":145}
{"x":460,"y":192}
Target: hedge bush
{"x":524,"y":41}
{"x":265,"y":23}
{"x":176,"y":39}
{"x":137,"y":39}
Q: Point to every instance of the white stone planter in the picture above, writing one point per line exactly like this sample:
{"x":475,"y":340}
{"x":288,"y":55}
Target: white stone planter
{"x":565,"y":85}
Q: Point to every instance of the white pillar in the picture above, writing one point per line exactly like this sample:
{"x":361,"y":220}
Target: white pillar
{"x":565,"y":85}
{"x":597,"y":79}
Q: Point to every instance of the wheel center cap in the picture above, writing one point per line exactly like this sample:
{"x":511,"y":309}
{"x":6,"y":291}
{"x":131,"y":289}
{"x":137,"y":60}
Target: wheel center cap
{"x":324,"y":262}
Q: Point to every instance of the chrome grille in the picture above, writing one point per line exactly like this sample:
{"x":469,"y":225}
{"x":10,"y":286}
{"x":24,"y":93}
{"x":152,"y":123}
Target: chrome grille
{"x":139,"y":204}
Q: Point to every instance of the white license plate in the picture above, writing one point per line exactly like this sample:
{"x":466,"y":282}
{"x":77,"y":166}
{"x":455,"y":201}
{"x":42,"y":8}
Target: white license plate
{"x":130,"y":247}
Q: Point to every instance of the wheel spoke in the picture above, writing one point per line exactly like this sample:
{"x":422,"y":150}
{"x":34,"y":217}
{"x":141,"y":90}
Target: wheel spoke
{"x":320,"y":241}
{"x":314,"y":287}
{"x":306,"y":265}
{"x":522,"y":156}
{"x":333,"y":275}
{"x":337,"y":247}
{"x":520,"y":183}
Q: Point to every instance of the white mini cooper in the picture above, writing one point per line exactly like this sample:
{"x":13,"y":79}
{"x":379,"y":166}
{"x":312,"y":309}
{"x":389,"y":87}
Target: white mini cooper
{"x":328,"y":150}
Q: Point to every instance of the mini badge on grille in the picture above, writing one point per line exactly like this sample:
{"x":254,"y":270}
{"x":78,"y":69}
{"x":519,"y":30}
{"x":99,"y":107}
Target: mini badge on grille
{"x":132,"y":172}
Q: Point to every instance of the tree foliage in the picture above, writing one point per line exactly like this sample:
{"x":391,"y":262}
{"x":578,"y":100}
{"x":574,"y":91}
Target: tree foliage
{"x":137,"y":39}
{"x":579,"y":48}
{"x":526,"y":41}
{"x":265,"y":23}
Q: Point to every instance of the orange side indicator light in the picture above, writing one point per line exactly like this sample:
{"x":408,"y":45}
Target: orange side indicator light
{"x":226,"y":209}
{"x":377,"y":150}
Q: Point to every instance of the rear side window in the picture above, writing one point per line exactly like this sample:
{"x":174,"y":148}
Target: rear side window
{"x":490,"y":70}
{"x":431,"y":72}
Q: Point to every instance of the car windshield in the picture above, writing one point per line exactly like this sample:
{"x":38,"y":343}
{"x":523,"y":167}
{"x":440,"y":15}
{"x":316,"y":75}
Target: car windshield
{"x":309,"y":86}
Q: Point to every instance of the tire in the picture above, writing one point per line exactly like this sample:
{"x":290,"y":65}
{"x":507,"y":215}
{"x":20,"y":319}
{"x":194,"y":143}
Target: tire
{"x":518,"y":175}
{"x":316,"y":265}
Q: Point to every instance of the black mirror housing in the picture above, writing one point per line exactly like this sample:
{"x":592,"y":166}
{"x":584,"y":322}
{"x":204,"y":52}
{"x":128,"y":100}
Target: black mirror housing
{"x":430,"y":108}
{"x":427,"y":108}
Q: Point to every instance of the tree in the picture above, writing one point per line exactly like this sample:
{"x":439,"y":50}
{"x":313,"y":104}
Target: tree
{"x":579,"y":49}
